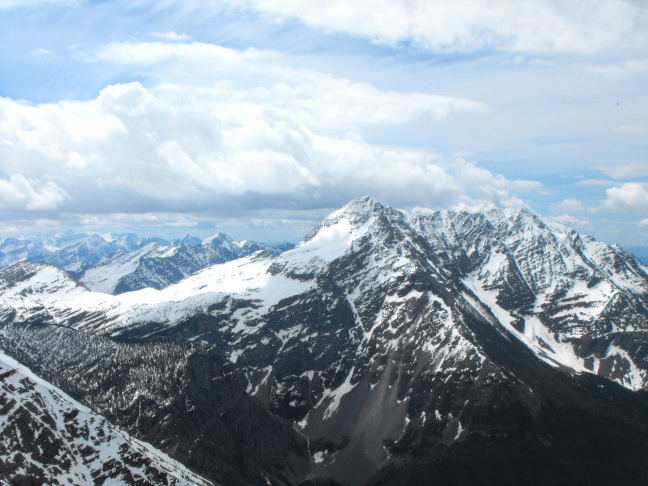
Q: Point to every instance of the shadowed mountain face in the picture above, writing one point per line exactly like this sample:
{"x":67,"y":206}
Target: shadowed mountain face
{"x":46,"y":438}
{"x":453,"y":348}
{"x":180,"y":397}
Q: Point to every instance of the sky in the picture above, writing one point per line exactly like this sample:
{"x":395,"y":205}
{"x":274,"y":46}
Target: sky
{"x":259,"y":117}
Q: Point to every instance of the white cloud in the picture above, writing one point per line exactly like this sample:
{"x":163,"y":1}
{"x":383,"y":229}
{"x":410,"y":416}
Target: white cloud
{"x":11,"y":4}
{"x":629,"y":197}
{"x":450,"y":25}
{"x":420,"y":210}
{"x":498,"y":199}
{"x":596,"y":182}
{"x":624,"y":69}
{"x":631,"y":130}
{"x":213,"y":73}
{"x":238,"y":128}
{"x":170,"y":36}
{"x":18,"y":192}
{"x":625,"y":170}
{"x":41,"y":52}
{"x":529,"y":61}
{"x":488,"y":190}
{"x":144,"y":53}
{"x":538,"y":26}
{"x":473,"y":206}
{"x":478,"y":177}
{"x":139,"y":148}
{"x":569,"y":205}
{"x":643,"y":223}
{"x":572,"y":221}
{"x":142,"y":220}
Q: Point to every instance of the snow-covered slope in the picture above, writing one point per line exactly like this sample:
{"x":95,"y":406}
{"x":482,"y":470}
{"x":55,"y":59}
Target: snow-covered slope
{"x":344,"y":300}
{"x":106,"y":277}
{"x":48,"y":438}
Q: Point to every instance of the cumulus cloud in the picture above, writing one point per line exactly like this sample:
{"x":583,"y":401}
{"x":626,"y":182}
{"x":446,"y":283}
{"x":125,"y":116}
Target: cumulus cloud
{"x":211,"y":74}
{"x":572,"y":221}
{"x":237,"y":130}
{"x":486,"y":190}
{"x":629,"y":197}
{"x":581,"y":26}
{"x":569,"y":205}
{"x":134,"y":149}
{"x":170,"y":36}
{"x":18,"y":192}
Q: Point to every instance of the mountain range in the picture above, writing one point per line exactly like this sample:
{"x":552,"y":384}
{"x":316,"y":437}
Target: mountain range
{"x":384,"y":349}
{"x":117,"y":263}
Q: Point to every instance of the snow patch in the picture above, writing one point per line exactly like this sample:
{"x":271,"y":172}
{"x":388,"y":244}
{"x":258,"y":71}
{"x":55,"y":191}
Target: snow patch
{"x":336,"y":395}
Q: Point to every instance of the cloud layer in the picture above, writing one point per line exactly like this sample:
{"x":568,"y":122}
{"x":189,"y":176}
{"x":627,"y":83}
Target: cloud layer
{"x":252,"y":133}
{"x":266,"y":77}
{"x":581,"y":26}
{"x":18,"y":192}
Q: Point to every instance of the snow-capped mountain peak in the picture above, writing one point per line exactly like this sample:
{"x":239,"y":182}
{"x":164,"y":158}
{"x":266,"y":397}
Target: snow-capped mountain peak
{"x":219,"y":239}
{"x":189,"y":240}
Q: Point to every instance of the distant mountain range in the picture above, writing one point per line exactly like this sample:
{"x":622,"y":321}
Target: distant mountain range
{"x":117,"y":263}
{"x":453,"y":348}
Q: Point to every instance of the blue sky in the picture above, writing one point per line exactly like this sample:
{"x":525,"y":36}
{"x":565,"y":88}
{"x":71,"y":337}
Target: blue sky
{"x":259,"y":117}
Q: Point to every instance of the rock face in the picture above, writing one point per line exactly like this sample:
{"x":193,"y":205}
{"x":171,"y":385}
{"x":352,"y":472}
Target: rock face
{"x":47,"y":438}
{"x":454,"y":348}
